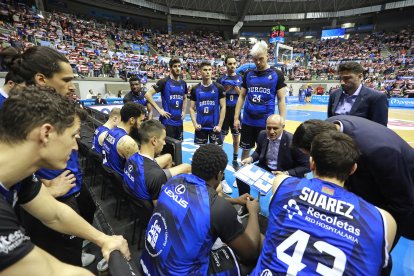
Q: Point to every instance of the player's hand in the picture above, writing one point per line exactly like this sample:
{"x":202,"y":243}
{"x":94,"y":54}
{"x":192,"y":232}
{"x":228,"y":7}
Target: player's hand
{"x":247,"y":161}
{"x":237,"y":124}
{"x":111,"y":243}
{"x":183,"y":115}
{"x":61,"y":184}
{"x":197,"y":127}
{"x":165,"y":114}
{"x":279,"y":172}
{"x":217,"y":129}
{"x":237,"y":89}
{"x":253,"y":206}
{"x":242,"y":200}
{"x":227,"y":88}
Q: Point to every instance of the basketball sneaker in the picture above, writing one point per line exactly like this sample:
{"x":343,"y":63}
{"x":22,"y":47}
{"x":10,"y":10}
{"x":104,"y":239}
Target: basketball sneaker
{"x":226,"y":188}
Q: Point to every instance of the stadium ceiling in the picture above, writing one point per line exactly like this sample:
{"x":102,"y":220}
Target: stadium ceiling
{"x":257,"y":10}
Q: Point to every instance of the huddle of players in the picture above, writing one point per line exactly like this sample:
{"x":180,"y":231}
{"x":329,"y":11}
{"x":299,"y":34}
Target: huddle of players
{"x":294,"y":241}
{"x":289,"y":227}
{"x":40,"y":172}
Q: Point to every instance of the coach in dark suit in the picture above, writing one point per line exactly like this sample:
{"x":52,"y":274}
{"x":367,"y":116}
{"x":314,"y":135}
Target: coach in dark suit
{"x":274,"y":153}
{"x":355,"y":99}
{"x":385,"y":172}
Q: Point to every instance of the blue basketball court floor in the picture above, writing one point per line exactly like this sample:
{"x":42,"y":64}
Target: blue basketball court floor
{"x":400,"y":120}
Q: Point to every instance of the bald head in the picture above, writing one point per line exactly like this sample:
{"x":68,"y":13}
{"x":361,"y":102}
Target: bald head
{"x":274,"y":126}
{"x":275,"y":118}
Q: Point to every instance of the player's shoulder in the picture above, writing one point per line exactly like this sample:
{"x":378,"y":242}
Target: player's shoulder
{"x":183,"y":82}
{"x":125,"y":140}
{"x":195,"y":87}
{"x":275,"y":69}
{"x":250,"y":72}
{"x":218,"y":85}
{"x":164,"y":80}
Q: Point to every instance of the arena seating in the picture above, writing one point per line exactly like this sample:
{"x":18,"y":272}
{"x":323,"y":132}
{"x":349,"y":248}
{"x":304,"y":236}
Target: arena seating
{"x":106,"y":49}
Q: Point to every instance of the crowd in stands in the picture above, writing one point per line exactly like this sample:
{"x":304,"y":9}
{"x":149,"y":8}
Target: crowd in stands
{"x":93,"y":49}
{"x":109,"y":50}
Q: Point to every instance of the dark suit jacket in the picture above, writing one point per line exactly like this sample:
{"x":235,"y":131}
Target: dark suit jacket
{"x":289,"y":159}
{"x":102,"y":101}
{"x":369,"y":104}
{"x":385,"y":173}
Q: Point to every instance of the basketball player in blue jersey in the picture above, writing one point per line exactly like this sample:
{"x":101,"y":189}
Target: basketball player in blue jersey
{"x":118,"y":145}
{"x":207,"y":99}
{"x":137,"y":95}
{"x":261,"y":87}
{"x":232,"y":86}
{"x":45,"y":67}
{"x":190,"y":216}
{"x":316,"y":227}
{"x":142,"y":174}
{"x":174,"y":100}
{"x":100,"y":132}
{"x":33,"y":137}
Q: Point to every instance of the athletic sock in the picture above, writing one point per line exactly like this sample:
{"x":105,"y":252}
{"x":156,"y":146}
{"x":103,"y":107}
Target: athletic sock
{"x":235,"y":156}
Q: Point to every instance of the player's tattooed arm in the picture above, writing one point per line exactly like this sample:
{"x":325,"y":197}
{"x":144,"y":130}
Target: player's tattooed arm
{"x":127,"y":147}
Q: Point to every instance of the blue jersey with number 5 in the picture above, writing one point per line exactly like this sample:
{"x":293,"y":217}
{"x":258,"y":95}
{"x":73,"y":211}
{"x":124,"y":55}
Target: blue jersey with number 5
{"x":318,"y":228}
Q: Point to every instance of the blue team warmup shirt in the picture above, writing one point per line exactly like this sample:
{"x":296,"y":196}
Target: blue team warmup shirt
{"x":172,"y":95}
{"x":231,"y":94}
{"x":144,"y":177}
{"x":188,"y":218}
{"x":207,"y":102}
{"x":73,"y":166}
{"x":134,"y":176}
{"x":95,"y":141}
{"x":316,"y":227}
{"x":112,"y":159}
{"x":261,"y":90}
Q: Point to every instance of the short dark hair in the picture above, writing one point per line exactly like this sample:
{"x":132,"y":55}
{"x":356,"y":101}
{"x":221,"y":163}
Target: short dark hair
{"x":208,"y":161}
{"x":150,"y":129}
{"x":81,"y":113}
{"x":173,"y":61}
{"x":204,"y":63}
{"x":227,"y":58}
{"x":131,"y":110}
{"x":306,"y":131}
{"x":351,"y":66}
{"x":11,"y":76}
{"x":7,"y":56}
{"x":334,"y":154}
{"x":37,"y":59}
{"x":134,"y":78}
{"x":32,"y":106}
